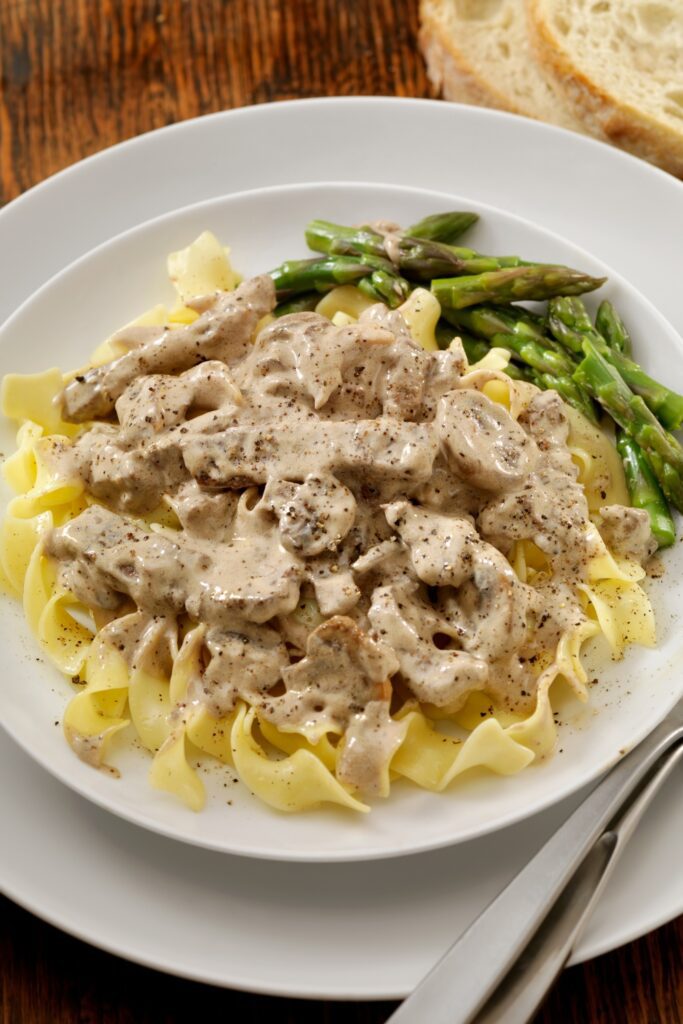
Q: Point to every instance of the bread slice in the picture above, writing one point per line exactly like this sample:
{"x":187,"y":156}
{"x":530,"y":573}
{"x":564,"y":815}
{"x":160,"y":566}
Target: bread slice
{"x":477,"y":51}
{"x":620,"y":64}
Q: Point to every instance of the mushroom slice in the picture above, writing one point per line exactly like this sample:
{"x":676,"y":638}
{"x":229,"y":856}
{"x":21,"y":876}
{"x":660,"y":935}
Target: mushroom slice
{"x":486,"y":447}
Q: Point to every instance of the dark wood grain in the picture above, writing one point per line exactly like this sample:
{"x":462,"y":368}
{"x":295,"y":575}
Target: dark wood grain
{"x":78,"y":75}
{"x":82,"y":74}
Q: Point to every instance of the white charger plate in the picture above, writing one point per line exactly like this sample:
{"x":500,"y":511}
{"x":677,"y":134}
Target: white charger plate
{"x":572,"y":185}
{"x":67,"y":318}
{"x":321,"y":931}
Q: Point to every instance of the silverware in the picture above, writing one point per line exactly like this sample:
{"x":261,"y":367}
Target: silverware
{"x":502,"y":966}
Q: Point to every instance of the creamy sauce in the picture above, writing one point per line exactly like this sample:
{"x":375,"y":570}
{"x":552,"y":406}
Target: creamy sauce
{"x":627,"y":531}
{"x":342,"y":505}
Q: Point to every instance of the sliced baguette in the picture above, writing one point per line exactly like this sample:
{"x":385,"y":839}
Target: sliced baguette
{"x":477,"y":51}
{"x":620,"y":64}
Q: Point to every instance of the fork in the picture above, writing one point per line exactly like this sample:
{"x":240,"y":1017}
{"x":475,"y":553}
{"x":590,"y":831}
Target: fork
{"x":502,"y":966}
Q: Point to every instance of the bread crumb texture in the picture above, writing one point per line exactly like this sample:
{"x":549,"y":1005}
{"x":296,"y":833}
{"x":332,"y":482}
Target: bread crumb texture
{"x":612,"y":69}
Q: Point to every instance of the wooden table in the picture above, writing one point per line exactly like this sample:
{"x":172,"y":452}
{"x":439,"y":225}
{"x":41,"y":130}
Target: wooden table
{"x":78,"y":75}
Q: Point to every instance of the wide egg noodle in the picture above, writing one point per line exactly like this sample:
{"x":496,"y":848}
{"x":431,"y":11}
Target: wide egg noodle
{"x":624,"y":613}
{"x":604,"y":566}
{"x":40,"y":581}
{"x":63,"y":636}
{"x":600,"y":470}
{"x":33,"y":397}
{"x":201,"y":268}
{"x":346,"y":299}
{"x":94,"y":716}
{"x":490,"y":746}
{"x":295,"y":783}
{"x":421,"y":312}
{"x":290,"y":742}
{"x":538,"y":732}
{"x":18,"y":540}
{"x":150,"y":707}
{"x":432,"y":759}
{"x":487,"y":368}
{"x":191,"y":726}
{"x":342,"y":319}
{"x":20,"y":469}
{"x":171,"y":769}
{"x":567,"y":656}
{"x":425,"y":755}
{"x":50,"y":489}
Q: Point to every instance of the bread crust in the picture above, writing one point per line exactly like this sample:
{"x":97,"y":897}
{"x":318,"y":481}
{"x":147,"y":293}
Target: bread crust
{"x":602,"y":113}
{"x":458,"y":79}
{"x":449,"y":71}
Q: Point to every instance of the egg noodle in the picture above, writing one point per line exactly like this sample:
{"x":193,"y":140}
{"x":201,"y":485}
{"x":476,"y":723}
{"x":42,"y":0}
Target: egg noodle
{"x":285,"y":769}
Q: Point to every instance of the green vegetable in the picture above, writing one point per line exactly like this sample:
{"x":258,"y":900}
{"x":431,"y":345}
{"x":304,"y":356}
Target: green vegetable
{"x":644,"y":490}
{"x":553,"y":368}
{"x":571,"y":325}
{"x":513,"y":284}
{"x":629,"y":411}
{"x":296,"y":276}
{"x":420,"y":259}
{"x":304,"y":303}
{"x":611,"y":327}
{"x":443,"y":227}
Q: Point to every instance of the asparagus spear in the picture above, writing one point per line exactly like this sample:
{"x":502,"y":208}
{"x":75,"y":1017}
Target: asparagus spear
{"x":571,"y":325}
{"x":475,"y":348}
{"x":296,"y":276}
{"x":443,"y":227}
{"x":525,"y":339}
{"x":491,"y":323}
{"x":488,"y":321}
{"x":536,"y":281}
{"x":322,"y":235}
{"x":420,"y":258}
{"x":445,"y":334}
{"x":304,"y":303}
{"x":644,"y":490}
{"x":517,"y":372}
{"x":476,"y":263}
{"x":612,"y":328}
{"x":630,"y":412}
{"x":383,"y":284}
{"x":572,"y":393}
{"x":542,"y":365}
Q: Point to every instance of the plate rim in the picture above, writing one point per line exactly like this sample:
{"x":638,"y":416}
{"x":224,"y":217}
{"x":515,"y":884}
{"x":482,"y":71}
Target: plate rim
{"x":79,"y":784}
{"x":248,"y":109}
{"x":253,"y":986}
{"x":69,"y":916}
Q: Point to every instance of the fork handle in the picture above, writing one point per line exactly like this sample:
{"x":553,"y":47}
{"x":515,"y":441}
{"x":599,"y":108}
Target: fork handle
{"x":523,"y":988}
{"x":473,"y":969}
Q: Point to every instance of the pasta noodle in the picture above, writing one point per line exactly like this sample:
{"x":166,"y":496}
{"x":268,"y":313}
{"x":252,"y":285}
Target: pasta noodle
{"x":290,"y":770}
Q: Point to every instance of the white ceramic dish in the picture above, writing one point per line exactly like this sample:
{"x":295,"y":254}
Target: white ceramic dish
{"x":597,"y":195}
{"x":264,"y":227}
{"x":335,"y":931}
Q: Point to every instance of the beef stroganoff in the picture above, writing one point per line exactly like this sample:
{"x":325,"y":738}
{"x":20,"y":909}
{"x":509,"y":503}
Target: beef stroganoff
{"x":315,"y":546}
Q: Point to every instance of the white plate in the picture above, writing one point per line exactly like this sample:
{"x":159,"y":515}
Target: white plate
{"x":264,"y":227}
{"x":597,"y":195}
{"x":336,"y":931}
